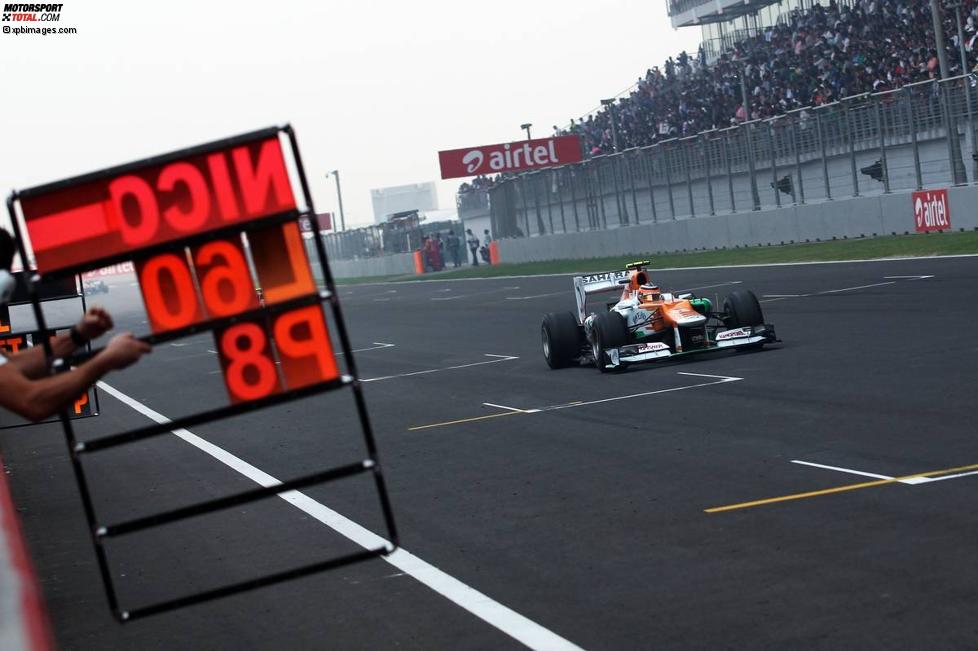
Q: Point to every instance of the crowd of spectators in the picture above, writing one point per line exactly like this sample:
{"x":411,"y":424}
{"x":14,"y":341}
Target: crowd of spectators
{"x":810,"y":58}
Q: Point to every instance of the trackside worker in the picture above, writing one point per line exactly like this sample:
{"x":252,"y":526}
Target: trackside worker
{"x":25,"y":387}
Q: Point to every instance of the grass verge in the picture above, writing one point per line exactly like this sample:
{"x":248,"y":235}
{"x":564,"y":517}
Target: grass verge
{"x":924,"y":244}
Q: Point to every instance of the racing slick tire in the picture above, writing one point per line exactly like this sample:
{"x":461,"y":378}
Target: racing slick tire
{"x":610,"y":331}
{"x":560,"y":336}
{"x":742,"y":310}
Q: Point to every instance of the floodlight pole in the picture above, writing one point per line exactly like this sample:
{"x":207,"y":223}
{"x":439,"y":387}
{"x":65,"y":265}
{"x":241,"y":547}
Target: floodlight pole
{"x":339,"y":198}
{"x":526,"y":127}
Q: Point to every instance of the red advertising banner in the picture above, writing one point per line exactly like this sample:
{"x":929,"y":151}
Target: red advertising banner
{"x":931,"y":210}
{"x":510,"y":157}
{"x":75,"y":224}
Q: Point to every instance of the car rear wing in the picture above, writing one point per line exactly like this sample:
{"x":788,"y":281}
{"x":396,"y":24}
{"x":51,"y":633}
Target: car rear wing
{"x":589,"y":284}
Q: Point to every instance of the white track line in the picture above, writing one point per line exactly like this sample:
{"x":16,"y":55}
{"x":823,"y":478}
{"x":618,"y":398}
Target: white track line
{"x":722,"y":380}
{"x":526,"y":298}
{"x":689,"y":289}
{"x":492,"y":612}
{"x":838,"y":469}
{"x":906,"y":277}
{"x":521,"y":411}
{"x":377,"y":346}
{"x":501,"y":358}
{"x":913,"y":481}
{"x":850,"y":289}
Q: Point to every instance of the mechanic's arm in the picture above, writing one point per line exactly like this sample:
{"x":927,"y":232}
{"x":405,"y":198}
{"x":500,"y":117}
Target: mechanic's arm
{"x":33,"y":363}
{"x":39,"y":399}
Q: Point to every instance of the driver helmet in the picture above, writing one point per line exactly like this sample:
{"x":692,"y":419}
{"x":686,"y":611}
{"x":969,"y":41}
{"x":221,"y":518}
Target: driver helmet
{"x":652,"y":292}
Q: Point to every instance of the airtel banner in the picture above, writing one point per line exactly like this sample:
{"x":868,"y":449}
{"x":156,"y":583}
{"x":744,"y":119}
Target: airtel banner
{"x":931,"y":210}
{"x":510,"y":157}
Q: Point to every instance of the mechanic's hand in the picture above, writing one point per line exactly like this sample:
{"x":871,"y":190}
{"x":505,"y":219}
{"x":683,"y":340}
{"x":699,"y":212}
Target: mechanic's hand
{"x":95,"y":323}
{"x":123,"y":350}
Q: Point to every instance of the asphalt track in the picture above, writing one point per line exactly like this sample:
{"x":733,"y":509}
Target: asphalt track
{"x":590,"y":517}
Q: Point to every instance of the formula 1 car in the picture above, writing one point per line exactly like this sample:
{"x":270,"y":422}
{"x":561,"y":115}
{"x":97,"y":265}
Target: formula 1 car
{"x":647,"y":324}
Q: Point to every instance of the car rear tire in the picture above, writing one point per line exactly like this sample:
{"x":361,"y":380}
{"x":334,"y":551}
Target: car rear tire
{"x":561,"y":339}
{"x":610,"y":331}
{"x":742,"y":310}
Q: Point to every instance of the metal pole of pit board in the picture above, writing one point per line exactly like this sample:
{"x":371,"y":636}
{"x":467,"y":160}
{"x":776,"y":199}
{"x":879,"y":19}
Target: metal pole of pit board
{"x":344,"y":337}
{"x":30,"y":281}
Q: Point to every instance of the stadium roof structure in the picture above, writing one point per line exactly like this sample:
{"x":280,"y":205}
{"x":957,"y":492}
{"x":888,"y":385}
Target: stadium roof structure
{"x":684,"y":13}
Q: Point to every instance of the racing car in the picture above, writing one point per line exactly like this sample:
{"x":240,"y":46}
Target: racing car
{"x":647,"y":324}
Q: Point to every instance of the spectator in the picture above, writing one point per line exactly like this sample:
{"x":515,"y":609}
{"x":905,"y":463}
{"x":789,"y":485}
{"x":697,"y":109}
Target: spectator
{"x":473,"y":243}
{"x":454,"y":246}
{"x":486,"y":238}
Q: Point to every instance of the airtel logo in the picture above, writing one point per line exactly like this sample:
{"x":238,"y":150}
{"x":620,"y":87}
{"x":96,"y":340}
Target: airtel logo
{"x":473,"y":161}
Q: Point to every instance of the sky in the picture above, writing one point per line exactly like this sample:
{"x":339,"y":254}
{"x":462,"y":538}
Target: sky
{"x":373,"y":88}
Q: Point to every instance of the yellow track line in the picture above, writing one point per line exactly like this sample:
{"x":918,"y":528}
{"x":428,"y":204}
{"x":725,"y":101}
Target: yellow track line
{"x":837,"y":489}
{"x":469,"y":420}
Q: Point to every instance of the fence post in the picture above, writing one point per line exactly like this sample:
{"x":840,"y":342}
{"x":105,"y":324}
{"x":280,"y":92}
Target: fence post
{"x":672,"y":204}
{"x":526,"y":210}
{"x":911,"y":123}
{"x":755,"y":197}
{"x":619,"y":197}
{"x":630,"y":168}
{"x":774,"y":164}
{"x":650,"y":171}
{"x":601,"y":202}
{"x":796,"y":140}
{"x":852,"y":148}
{"x":958,"y":174}
{"x":559,"y":175}
{"x":825,"y":162}
{"x":882,"y":129}
{"x":729,"y":164}
{"x":548,"y":191}
{"x":686,"y":146}
{"x":573,"y":185}
{"x":706,"y":167}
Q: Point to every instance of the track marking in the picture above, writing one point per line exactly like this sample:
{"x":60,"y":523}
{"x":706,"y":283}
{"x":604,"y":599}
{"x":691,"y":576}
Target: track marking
{"x":500,"y":358}
{"x":850,"y":289}
{"x":481,"y":605}
{"x":842,"y":489}
{"x":526,"y":298}
{"x":522,"y":411}
{"x":377,"y":345}
{"x":458,"y":296}
{"x":906,"y":277}
{"x":914,"y":481}
{"x":845,"y":470}
{"x":721,"y":379}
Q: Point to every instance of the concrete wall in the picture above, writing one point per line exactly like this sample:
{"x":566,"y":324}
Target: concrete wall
{"x":388,"y":265}
{"x":854,"y":217}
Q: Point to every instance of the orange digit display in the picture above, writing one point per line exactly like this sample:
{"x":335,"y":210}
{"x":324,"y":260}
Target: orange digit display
{"x":12,"y":345}
{"x":247,"y":362}
{"x":225,"y":282}
{"x":281,"y":262}
{"x":168,"y":292}
{"x":304,"y":347}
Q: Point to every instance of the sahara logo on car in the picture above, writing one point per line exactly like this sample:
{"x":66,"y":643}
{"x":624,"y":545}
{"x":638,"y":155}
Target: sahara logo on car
{"x":652,"y":347}
{"x":733,"y":334}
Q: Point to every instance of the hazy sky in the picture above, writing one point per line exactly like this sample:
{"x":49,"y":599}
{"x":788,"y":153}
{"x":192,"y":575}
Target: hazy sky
{"x":373,"y":89}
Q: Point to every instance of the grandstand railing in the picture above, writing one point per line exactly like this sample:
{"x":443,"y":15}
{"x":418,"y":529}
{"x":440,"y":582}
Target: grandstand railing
{"x":921,"y":134}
